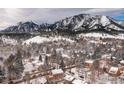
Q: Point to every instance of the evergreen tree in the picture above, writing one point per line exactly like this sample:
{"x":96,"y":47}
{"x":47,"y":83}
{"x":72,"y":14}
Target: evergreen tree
{"x":18,"y":65}
{"x":40,"y":58}
{"x":62,"y":64}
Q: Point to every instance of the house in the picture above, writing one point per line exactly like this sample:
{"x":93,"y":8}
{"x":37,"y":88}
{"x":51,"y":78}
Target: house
{"x":121,"y":69}
{"x":57,"y":71}
{"x":55,"y":65}
{"x":115,"y":71}
{"x":88,"y":63}
{"x":87,"y":77}
{"x":106,"y":57}
{"x":55,"y":75}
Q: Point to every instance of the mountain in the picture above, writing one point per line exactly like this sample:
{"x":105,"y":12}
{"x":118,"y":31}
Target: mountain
{"x":86,"y":22}
{"x":77,"y":23}
{"x":45,"y":27}
{"x":23,"y":27}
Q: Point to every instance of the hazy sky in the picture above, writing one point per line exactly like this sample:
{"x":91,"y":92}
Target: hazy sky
{"x":10,"y":16}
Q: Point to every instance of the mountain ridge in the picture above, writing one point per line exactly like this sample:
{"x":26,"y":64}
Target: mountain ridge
{"x":76,"y":23}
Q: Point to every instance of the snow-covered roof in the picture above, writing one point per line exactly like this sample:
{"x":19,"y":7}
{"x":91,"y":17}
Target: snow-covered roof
{"x":57,"y":71}
{"x":77,"y":81}
{"x":122,"y":61}
{"x":89,"y":61}
{"x":73,"y":70}
{"x":106,"y":56}
{"x":65,"y":55}
{"x":113,"y":70}
{"x":68,"y":77}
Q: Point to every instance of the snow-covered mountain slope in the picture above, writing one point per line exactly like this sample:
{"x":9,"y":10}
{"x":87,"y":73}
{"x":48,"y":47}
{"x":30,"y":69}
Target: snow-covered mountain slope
{"x":39,"y":39}
{"x":85,"y":22}
{"x":23,"y":27}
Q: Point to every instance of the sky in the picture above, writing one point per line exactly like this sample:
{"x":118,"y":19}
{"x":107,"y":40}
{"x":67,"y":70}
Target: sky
{"x":11,"y":16}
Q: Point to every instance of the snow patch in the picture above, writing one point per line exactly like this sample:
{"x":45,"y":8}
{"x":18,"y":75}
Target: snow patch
{"x":68,"y":77}
{"x":89,"y":61}
{"x":104,"y":21}
{"x":40,"y":80}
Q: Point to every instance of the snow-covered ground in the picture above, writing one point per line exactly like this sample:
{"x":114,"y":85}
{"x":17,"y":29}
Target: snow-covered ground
{"x":9,"y":40}
{"x":39,"y":39}
{"x":39,"y":80}
{"x":102,"y":35}
{"x":29,"y":66}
